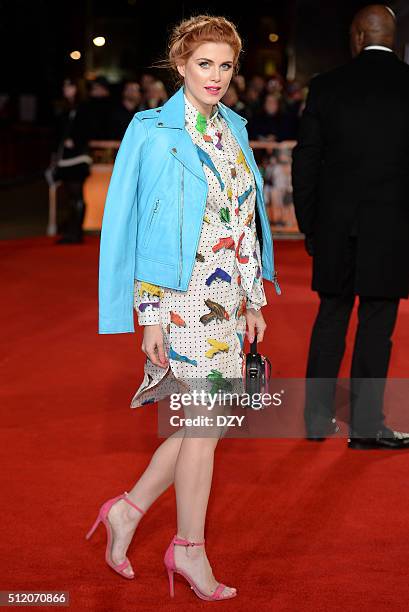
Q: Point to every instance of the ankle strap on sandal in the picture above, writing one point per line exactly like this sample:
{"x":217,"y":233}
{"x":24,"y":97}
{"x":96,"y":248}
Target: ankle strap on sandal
{"x":125,"y":497}
{"x":183,"y":542}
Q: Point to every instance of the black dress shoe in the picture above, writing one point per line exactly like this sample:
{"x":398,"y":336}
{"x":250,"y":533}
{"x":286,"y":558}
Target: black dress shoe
{"x":319,"y":435}
{"x":386,"y":439}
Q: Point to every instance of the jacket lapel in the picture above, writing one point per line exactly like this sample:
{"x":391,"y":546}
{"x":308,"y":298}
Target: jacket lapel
{"x":241,"y":138}
{"x":172,"y":116}
{"x":185,"y":151}
{"x":237,"y":124}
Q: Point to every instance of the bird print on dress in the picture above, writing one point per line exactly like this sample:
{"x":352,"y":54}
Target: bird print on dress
{"x":142,"y":307}
{"x":177,"y":319}
{"x":219,"y":383}
{"x":249,"y":219}
{"x":206,"y":159}
{"x":241,"y":309}
{"x":225,"y":215}
{"x":226,"y":277}
{"x":217,"y":313}
{"x":176,"y":357}
{"x":223,"y":243}
{"x":243,"y":197}
{"x":242,"y":160}
{"x":219,"y":273}
{"x":201,"y":123}
{"x":208,"y":130}
{"x":217,"y":346}
{"x":241,"y":258}
{"x":150,"y":289}
{"x":150,"y":303}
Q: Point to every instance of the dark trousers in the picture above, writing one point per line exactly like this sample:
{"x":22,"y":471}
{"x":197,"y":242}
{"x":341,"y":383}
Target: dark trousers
{"x":370,"y":361}
{"x":73,"y":228}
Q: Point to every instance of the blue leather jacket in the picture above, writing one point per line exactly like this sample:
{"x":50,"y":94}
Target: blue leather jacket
{"x":154,"y":210}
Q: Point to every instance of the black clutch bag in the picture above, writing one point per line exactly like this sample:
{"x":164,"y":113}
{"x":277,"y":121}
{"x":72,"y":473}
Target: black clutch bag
{"x":256,"y":371}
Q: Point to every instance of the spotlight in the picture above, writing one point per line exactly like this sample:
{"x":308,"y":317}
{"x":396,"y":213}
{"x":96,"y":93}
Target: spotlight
{"x":99,"y":41}
{"x":75,"y":55}
{"x":273,"y":37}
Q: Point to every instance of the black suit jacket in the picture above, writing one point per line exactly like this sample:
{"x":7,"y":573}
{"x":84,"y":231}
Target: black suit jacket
{"x":351,"y":174}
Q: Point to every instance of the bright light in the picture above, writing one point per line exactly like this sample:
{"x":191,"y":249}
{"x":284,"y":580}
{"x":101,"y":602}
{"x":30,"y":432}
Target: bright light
{"x":75,"y":55}
{"x":273,"y":38}
{"x":99,"y":41}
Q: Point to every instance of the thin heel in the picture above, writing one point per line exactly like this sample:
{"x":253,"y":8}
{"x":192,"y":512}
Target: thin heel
{"x":94,"y":526}
{"x":171,"y":584}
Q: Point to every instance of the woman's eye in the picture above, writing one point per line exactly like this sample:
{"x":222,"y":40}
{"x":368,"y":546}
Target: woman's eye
{"x":224,"y":66}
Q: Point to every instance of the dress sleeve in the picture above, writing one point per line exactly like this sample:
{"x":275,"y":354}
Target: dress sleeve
{"x":257,"y":297}
{"x":147,"y":302}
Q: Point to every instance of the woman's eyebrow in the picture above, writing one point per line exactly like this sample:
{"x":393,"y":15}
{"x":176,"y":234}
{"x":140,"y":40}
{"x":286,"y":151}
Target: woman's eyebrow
{"x":211,"y":61}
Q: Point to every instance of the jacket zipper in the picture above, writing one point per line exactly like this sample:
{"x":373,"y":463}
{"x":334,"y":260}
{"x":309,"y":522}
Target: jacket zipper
{"x":153,"y":213}
{"x":199,"y":234}
{"x":181,"y":227}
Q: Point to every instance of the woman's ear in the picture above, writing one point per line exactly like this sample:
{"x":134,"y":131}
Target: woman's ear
{"x":181,"y":69}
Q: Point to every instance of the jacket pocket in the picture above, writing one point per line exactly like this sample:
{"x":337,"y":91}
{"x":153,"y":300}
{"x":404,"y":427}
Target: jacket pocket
{"x":151,"y":222}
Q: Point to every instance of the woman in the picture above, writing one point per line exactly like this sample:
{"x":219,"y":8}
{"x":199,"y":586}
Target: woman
{"x":71,"y":161}
{"x":268,"y":124}
{"x":190,"y":216}
{"x":156,"y":94}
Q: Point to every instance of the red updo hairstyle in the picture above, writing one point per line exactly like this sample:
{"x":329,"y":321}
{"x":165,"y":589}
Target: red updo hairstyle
{"x":191,"y":33}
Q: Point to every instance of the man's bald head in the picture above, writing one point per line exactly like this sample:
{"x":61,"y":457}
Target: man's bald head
{"x":373,"y":25}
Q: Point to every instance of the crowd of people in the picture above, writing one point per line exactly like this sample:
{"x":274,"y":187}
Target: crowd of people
{"x":271,"y":106}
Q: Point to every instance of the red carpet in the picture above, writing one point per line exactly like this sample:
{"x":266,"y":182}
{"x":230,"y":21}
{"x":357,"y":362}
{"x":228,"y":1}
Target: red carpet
{"x":294,"y":525}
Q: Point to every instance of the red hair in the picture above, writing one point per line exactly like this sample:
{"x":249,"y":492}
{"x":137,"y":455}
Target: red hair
{"x":191,"y":33}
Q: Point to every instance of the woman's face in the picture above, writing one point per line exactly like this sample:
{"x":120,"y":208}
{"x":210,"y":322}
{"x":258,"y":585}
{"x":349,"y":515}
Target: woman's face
{"x":207,"y":74}
{"x":69,"y":90}
{"x":271,"y":105}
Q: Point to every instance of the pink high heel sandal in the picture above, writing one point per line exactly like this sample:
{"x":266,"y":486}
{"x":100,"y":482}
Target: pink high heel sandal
{"x":103,"y":518}
{"x":169,"y":561}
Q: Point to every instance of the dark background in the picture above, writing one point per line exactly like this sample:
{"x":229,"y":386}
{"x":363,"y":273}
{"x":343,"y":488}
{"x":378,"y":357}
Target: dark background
{"x":37,"y":37}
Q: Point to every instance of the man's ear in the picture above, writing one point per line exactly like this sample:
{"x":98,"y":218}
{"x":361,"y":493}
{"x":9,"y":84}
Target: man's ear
{"x":361,"y":39}
{"x":181,"y":69}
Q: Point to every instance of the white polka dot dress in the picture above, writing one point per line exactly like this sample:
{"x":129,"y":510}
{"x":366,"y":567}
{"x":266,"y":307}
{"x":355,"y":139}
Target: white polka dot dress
{"x":204,"y":327}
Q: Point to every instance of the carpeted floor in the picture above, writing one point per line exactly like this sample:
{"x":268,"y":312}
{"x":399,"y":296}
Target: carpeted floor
{"x":294,"y":525}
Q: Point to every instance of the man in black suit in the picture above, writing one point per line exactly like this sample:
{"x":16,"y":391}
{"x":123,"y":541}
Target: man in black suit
{"x":351,"y":194}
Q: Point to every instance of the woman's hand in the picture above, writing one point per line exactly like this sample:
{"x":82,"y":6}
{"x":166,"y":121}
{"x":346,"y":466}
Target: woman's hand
{"x":255,"y":324}
{"x":152,"y":345}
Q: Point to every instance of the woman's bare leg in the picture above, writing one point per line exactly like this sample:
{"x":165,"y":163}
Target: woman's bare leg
{"x":157,"y":477}
{"x":193,"y":479}
{"x":188,"y":462}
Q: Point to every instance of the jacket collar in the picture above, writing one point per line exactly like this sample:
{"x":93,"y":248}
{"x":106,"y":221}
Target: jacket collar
{"x":172,"y":114}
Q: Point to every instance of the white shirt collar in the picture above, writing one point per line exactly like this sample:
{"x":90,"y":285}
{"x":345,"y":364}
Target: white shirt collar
{"x":377,"y":47}
{"x":194,"y":110}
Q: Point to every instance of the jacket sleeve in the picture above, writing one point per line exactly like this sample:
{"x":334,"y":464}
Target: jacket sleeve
{"x":307,"y":159}
{"x":147,"y":305}
{"x":118,"y":236}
